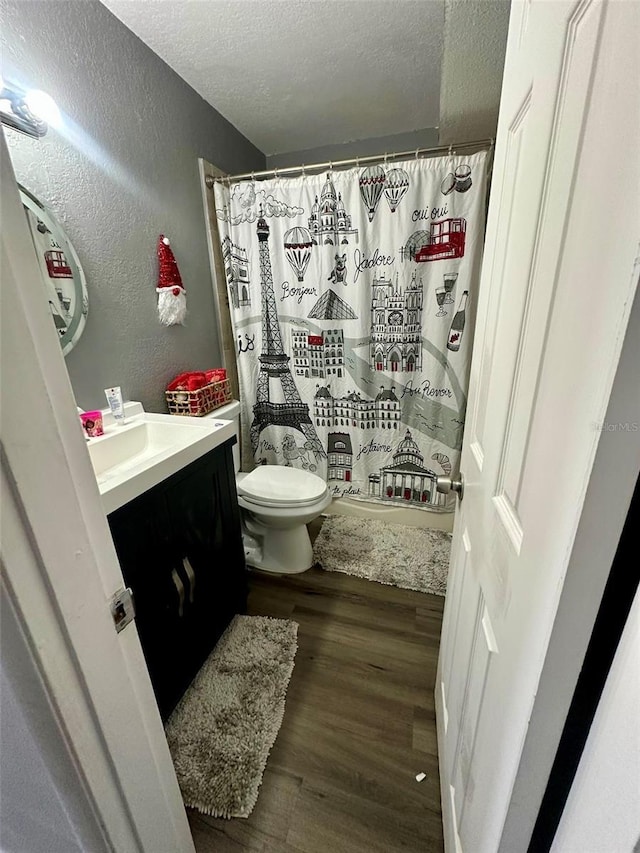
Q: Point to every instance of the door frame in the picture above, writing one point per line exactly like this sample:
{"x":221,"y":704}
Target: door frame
{"x":59,"y":571}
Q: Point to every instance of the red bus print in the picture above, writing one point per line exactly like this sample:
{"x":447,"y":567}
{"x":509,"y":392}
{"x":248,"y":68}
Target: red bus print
{"x":446,"y":240}
{"x":57,"y":265}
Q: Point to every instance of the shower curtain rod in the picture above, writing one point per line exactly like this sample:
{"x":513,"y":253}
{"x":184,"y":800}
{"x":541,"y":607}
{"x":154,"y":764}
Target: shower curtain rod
{"x":479,"y":145}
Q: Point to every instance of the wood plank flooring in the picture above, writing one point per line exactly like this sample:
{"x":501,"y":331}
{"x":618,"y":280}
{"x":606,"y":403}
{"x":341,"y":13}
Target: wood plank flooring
{"x":359,"y":724}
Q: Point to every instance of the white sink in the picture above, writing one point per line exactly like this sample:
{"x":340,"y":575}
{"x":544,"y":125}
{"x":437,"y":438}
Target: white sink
{"x":148,"y":448}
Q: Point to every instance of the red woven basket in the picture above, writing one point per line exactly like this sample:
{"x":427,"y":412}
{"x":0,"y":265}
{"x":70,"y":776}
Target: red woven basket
{"x":200,"y":402}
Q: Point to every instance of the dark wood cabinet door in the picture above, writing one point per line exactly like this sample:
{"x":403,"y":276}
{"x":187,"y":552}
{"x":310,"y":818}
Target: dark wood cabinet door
{"x":180,"y":550}
{"x":205,"y":522}
{"x":148,"y":562}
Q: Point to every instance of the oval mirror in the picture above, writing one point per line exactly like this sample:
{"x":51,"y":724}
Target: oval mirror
{"x":62,"y":275}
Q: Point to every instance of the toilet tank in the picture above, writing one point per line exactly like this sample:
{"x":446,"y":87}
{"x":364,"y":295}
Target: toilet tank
{"x":230,"y":412}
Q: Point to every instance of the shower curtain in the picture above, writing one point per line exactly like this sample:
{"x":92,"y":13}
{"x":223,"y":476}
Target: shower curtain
{"x":352,"y":297}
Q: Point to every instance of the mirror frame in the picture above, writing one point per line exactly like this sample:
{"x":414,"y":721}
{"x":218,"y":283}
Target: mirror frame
{"x":76,"y":327}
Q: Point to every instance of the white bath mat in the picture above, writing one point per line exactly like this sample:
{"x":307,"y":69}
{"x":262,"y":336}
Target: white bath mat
{"x":223,"y":728}
{"x":408,"y":557}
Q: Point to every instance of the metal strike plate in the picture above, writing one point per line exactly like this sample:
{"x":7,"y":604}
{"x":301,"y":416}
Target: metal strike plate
{"x":122,"y":609}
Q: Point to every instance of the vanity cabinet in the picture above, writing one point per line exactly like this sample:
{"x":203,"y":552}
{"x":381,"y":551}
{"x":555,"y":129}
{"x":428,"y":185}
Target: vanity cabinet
{"x":180,"y":550}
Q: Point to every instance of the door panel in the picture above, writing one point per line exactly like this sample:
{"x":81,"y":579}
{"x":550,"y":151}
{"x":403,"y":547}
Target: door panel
{"x":529,"y":440}
{"x":458,"y":651}
{"x":494,"y":275}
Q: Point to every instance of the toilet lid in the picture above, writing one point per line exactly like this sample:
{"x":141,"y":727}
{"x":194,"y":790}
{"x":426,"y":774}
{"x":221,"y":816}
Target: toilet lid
{"x":275,"y":485}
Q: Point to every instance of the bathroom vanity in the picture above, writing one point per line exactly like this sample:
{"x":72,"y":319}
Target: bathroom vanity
{"x":180,"y":549}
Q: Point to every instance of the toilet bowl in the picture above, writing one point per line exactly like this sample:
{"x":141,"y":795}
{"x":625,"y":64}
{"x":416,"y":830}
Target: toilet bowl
{"x":276,"y":503}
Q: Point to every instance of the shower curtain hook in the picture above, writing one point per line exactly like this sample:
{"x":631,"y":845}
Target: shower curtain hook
{"x":304,"y":171}
{"x":275,"y":173}
{"x":385,"y":158}
{"x":253,"y":177}
{"x":417,"y":152}
{"x":357,"y":161}
{"x":331,"y":166}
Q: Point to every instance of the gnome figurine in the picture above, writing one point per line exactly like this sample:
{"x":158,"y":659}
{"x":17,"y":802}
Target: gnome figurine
{"x":172,"y":297}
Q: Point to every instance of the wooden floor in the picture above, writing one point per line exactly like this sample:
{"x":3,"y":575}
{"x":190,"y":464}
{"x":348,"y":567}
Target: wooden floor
{"x":359,"y":724}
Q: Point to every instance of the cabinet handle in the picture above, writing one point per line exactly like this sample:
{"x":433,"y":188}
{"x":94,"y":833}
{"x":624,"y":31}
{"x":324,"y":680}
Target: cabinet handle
{"x":192,"y":577}
{"x":180,"y":590}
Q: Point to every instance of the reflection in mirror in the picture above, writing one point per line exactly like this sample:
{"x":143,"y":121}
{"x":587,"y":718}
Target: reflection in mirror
{"x":62,"y":275}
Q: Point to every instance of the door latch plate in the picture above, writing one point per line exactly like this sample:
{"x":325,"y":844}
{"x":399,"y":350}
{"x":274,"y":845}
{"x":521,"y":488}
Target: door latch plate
{"x":122,"y":608}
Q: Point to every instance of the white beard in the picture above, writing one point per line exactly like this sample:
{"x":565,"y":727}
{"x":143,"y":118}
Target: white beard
{"x":171,"y":309}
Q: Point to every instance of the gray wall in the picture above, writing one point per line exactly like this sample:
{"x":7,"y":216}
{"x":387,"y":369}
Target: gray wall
{"x":43,"y":806}
{"x":38,"y":819}
{"x":425,"y":138}
{"x":473,"y":54}
{"x":123,"y":170}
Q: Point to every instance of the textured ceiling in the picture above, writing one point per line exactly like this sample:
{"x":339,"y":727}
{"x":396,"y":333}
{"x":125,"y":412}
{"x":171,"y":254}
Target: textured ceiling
{"x":297,"y":74}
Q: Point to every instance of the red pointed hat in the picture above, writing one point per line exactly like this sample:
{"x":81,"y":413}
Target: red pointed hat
{"x":168,"y":272}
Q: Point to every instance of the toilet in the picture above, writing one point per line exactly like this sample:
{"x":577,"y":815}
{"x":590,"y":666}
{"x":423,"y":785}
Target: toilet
{"x":276,"y":503}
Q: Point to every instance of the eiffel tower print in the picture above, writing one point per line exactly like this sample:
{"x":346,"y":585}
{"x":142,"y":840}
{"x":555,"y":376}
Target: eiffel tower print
{"x":275,"y":374}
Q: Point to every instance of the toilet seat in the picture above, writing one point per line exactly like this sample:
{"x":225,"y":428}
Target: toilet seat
{"x":281,"y":487}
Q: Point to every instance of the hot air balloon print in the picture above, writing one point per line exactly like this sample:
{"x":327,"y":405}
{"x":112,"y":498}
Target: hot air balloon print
{"x":297,"y":248}
{"x":372,"y":181}
{"x":396,"y":187}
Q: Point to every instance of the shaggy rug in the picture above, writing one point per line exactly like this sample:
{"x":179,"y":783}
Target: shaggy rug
{"x":222,"y":730}
{"x":409,"y":557}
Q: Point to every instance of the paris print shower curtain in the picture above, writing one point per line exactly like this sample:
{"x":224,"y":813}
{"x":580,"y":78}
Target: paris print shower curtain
{"x":352,"y":295}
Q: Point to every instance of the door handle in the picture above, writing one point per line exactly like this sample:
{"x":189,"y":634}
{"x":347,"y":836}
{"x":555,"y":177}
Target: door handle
{"x":191,"y":575}
{"x":177,"y":582}
{"x":451,"y":484}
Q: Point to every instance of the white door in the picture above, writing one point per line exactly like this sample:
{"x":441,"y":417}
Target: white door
{"x":556,"y":289}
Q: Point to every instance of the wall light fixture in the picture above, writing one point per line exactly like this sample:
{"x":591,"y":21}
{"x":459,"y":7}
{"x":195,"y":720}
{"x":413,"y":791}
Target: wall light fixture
{"x":29,"y":111}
